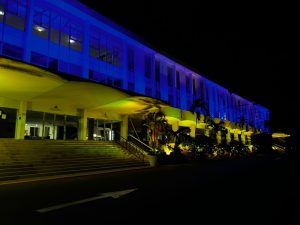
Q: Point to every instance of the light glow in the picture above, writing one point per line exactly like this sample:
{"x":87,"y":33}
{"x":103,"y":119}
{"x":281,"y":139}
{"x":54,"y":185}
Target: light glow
{"x":1,"y":13}
{"x":39,"y":28}
{"x":71,"y":41}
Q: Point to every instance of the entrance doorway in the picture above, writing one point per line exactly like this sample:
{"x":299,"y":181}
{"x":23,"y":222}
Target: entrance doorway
{"x":41,"y":125}
{"x":7,"y":122}
{"x":103,"y":130}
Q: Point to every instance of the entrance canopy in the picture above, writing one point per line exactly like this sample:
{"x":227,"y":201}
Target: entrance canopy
{"x":23,"y":82}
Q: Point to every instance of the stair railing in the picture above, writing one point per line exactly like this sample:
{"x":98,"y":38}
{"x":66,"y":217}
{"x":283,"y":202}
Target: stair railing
{"x":141,"y":144}
{"x":131,"y":148}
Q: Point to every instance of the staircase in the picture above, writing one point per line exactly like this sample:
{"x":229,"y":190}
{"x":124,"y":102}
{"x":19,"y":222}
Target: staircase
{"x":25,"y":159}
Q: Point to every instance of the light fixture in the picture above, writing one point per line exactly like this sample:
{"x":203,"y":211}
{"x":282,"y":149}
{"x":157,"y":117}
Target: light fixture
{"x":55,"y":108}
{"x":1,"y":13}
{"x":71,"y":41}
{"x":39,"y":28}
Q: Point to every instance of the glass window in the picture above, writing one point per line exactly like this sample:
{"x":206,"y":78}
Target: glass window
{"x":130,"y":59}
{"x":170,"y":76}
{"x":157,"y":70}
{"x":194,"y":86}
{"x":147,"y":66}
{"x":177,"y":80}
{"x":187,"y":84}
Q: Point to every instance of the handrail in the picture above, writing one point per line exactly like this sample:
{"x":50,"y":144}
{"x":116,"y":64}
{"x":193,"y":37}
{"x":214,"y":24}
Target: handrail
{"x":132,"y":148}
{"x":139,"y":141}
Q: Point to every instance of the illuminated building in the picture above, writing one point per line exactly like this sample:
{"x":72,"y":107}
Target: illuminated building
{"x":67,"y":72}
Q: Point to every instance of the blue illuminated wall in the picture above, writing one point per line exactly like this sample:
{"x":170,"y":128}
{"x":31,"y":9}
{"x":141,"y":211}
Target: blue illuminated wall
{"x":68,"y":37}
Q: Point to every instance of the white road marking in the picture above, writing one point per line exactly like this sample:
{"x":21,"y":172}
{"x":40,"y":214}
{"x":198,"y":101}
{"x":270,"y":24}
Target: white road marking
{"x":115,"y":194}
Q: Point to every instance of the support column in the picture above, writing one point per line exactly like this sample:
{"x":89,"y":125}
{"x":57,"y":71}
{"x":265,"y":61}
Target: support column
{"x":124,"y":126}
{"x":219,"y":137}
{"x":236,"y":135}
{"x":193,"y":131}
{"x":82,"y":131}
{"x":248,"y":139}
{"x":21,"y":120}
{"x":228,"y":137}
{"x":207,"y":132}
{"x":175,"y":126}
{"x":243,"y":138}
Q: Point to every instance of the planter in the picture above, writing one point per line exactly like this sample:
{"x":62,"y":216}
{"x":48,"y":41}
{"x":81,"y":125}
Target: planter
{"x":153,"y":160}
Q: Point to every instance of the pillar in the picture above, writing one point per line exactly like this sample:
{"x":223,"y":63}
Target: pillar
{"x":82,"y":131}
{"x":228,"y":136}
{"x":175,"y":126}
{"x":193,"y":131}
{"x":236,"y":135}
{"x":219,"y":137}
{"x":124,"y":126}
{"x":207,"y":132}
{"x":243,"y":138}
{"x":21,"y":120}
{"x":248,"y":139}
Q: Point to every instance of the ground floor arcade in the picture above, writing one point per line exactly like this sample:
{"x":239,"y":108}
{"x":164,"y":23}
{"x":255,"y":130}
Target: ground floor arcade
{"x":37,"y":104}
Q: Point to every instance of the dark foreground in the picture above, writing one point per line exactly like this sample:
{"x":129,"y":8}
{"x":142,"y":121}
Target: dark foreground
{"x":253,"y":191}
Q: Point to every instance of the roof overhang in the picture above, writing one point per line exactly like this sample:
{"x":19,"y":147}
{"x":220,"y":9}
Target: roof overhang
{"x":23,"y":82}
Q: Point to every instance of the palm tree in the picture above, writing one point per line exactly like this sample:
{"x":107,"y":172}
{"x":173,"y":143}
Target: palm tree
{"x":181,"y":136}
{"x":199,"y":107}
{"x":156,"y":124}
{"x":216,"y":127}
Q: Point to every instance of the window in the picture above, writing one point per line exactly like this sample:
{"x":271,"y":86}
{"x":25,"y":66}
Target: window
{"x":14,"y":13}
{"x":148,"y":66}
{"x":187,"y":84}
{"x":171,"y":99}
{"x":177,"y":80}
{"x":34,"y":131}
{"x":194,"y":86}
{"x":148,"y":91}
{"x":130,"y":59}
{"x":157,"y":94}
{"x":12,"y":51}
{"x":170,"y":77}
{"x":157,"y":71}
{"x":41,"y":19}
{"x":178,"y":102}
{"x":130,"y":86}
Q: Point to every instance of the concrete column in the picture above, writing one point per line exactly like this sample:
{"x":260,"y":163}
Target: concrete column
{"x":193,"y":131}
{"x":124,"y":126}
{"x":175,"y":126}
{"x":249,"y":139}
{"x":21,"y":120}
{"x":243,"y":138}
{"x":228,"y":137}
{"x":219,"y":137}
{"x":236,"y":136}
{"x":206,"y":132}
{"x":82,"y":131}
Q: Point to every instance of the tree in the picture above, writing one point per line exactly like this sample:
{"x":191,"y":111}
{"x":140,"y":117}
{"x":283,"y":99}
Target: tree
{"x":156,"y":124}
{"x":216,"y":127}
{"x":199,"y":107}
{"x":181,"y":136}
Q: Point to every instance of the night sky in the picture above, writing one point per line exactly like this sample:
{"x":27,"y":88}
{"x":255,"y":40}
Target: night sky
{"x":255,"y":61}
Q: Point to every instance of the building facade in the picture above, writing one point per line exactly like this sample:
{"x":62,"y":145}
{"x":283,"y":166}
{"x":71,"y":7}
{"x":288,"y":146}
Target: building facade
{"x":65,"y":69}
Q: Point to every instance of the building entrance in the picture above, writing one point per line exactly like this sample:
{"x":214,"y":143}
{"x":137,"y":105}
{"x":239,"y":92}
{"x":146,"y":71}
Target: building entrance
{"x":103,"y":130}
{"x":41,"y":125}
{"x":7,"y":122}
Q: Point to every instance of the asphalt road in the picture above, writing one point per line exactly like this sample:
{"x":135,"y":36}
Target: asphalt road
{"x":252,"y":191}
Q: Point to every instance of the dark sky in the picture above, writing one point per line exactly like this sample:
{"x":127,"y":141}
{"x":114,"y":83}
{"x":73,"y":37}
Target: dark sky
{"x":255,"y":60}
